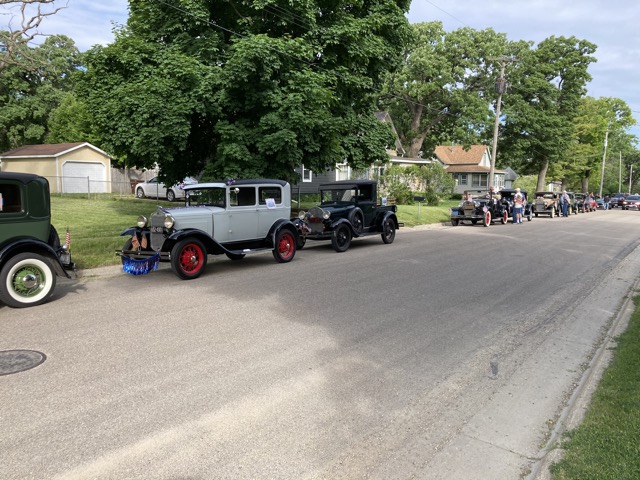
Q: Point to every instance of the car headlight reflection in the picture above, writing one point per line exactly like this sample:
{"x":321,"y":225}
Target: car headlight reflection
{"x":169,"y":221}
{"x":326,"y":214}
{"x":302,"y":214}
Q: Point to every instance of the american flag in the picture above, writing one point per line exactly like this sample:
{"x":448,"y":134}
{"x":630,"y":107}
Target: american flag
{"x":67,"y":239}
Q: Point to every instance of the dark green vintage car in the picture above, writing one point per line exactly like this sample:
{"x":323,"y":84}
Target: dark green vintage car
{"x":31,"y":256}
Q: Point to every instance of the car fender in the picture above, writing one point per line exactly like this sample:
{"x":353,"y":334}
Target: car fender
{"x":340,"y":221}
{"x":33,"y":246}
{"x":284,"y":224}
{"x":383,"y":218}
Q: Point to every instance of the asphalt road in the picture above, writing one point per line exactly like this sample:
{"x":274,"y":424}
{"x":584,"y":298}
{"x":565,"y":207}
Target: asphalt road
{"x":451,"y":353}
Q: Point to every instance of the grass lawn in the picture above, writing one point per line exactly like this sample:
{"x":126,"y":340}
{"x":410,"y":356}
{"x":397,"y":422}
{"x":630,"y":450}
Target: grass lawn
{"x":606,"y":446}
{"x":95,"y":224}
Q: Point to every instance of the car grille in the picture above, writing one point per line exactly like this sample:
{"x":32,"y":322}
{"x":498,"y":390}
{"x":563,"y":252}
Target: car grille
{"x":157,"y":232}
{"x":315,"y":219}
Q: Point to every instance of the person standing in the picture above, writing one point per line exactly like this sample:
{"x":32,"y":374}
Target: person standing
{"x":518,"y":206}
{"x":605,"y":202}
{"x":565,"y":203}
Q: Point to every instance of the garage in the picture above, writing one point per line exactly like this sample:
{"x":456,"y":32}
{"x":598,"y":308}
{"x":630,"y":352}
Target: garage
{"x":70,"y":167}
{"x":84,"y":177}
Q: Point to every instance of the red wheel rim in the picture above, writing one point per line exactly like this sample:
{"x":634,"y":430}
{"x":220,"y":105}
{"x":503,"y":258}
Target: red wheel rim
{"x":191,"y":258}
{"x":285,"y":246}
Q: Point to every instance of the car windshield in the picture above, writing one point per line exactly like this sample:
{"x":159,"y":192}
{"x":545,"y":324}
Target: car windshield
{"x":633,"y":197}
{"x":210,"y":197}
{"x":338,"y":195}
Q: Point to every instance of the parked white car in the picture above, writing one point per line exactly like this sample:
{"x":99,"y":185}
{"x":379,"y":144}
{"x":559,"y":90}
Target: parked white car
{"x":154,"y":188}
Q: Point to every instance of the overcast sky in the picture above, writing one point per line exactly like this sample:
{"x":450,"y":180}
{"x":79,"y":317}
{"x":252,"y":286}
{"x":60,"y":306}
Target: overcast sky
{"x":612,"y":25}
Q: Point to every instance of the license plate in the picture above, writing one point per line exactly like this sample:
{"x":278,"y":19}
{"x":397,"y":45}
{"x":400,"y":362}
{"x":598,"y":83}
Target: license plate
{"x":157,"y":229}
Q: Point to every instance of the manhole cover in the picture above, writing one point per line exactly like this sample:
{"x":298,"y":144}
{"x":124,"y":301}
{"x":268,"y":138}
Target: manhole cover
{"x":14,"y":361}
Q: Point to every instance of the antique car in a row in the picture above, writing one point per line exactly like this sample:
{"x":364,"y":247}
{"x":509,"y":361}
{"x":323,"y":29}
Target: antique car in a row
{"x":583,"y":203}
{"x":506,"y":196}
{"x":31,"y":256}
{"x":232,"y":218}
{"x":480,"y":206}
{"x":546,"y":203}
{"x":348,"y":209}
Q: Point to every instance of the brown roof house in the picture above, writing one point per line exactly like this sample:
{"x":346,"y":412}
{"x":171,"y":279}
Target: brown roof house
{"x":469,"y":168}
{"x":70,"y":167}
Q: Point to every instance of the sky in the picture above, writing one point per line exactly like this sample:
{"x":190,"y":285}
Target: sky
{"x":611,"y":25}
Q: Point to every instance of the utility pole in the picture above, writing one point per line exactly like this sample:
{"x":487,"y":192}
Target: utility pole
{"x":630,"y":175}
{"x":604,"y":156}
{"x":501,"y":88}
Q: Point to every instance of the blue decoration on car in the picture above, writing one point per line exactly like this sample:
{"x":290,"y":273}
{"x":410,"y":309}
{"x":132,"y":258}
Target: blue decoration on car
{"x":141,"y":266}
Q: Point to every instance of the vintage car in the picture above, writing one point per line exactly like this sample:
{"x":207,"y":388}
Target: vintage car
{"x":479,"y":206}
{"x":506,"y":197}
{"x":348,"y":209}
{"x":31,"y":256}
{"x":583,"y":203}
{"x":234,"y":218}
{"x":154,"y":188}
{"x":546,"y":203}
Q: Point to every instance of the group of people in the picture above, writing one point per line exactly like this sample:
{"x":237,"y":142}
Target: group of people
{"x":565,"y":202}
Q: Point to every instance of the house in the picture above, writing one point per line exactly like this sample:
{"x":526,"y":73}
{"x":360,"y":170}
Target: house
{"x":470,"y":168}
{"x":310,"y":181}
{"x":70,"y":167}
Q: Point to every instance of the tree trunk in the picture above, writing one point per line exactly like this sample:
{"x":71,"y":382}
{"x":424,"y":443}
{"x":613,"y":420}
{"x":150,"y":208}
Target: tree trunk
{"x":542,"y":175}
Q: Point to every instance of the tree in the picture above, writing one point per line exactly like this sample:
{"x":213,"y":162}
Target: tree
{"x":444,"y":86}
{"x":28,"y":94}
{"x":593,"y":119}
{"x":246,"y":88}
{"x":547,"y":84}
{"x":13,"y":41}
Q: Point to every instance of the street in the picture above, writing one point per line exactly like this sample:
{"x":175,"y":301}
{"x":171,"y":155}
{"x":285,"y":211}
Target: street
{"x":447,"y":354}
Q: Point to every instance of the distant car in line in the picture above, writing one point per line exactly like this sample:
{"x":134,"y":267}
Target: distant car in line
{"x":632,"y":202}
{"x":154,"y":188}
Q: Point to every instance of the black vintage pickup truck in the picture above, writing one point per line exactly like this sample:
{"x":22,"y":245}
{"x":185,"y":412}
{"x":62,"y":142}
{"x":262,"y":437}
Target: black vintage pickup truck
{"x":348,"y":209}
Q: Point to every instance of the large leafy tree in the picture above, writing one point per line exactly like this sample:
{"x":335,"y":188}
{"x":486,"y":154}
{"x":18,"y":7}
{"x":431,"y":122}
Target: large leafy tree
{"x":29,"y":93}
{"x":547,"y":83}
{"x":246,"y":88}
{"x":595,"y":121}
{"x":444,"y":87}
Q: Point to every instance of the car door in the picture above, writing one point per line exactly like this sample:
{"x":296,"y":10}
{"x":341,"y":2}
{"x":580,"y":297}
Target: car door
{"x":243,"y":213}
{"x":155,"y":188}
{"x":270,"y":208}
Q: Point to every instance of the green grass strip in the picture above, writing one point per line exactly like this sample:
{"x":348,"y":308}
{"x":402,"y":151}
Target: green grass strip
{"x":606,"y":446}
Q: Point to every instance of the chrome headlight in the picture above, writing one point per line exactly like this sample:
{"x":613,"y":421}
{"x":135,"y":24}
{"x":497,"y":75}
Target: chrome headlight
{"x":142,"y":221}
{"x":169,"y":221}
{"x":326,"y":214}
{"x":302,"y":214}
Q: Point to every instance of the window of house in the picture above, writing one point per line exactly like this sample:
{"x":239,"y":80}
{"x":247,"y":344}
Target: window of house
{"x":343,"y":171}
{"x":462,"y":179}
{"x":479,"y":180}
{"x":307,"y":175}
